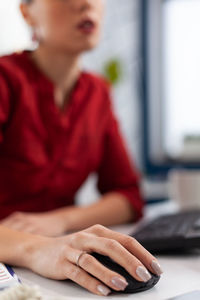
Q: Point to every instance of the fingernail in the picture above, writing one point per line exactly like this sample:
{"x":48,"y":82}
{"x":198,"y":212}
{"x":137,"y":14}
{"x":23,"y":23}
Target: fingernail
{"x":143,"y":273}
{"x":103,"y":290}
{"x":157,"y":268}
{"x":119,"y":283}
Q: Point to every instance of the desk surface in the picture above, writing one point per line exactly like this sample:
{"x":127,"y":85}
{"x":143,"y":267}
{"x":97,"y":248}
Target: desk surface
{"x":181,"y":274}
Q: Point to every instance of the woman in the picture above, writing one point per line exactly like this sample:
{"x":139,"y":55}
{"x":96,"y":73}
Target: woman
{"x":56,"y":127}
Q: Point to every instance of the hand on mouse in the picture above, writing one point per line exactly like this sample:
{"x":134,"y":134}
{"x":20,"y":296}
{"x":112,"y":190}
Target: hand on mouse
{"x":68,"y":257}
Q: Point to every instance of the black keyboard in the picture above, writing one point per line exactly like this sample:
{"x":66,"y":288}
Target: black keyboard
{"x":180,"y":231}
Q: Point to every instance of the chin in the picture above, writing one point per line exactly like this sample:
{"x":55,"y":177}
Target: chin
{"x":88,"y":47}
{"x":78,"y":47}
{"x":89,"y":44}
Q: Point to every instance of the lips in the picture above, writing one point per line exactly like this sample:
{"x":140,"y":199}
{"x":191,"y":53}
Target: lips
{"x":87,"y":26}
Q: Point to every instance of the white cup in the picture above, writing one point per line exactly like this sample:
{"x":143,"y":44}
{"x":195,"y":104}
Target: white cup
{"x":184,"y":188}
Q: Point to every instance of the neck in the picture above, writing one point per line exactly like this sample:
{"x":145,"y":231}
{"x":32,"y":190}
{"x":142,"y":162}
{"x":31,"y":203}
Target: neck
{"x":63,"y":70}
{"x":59,"y":67}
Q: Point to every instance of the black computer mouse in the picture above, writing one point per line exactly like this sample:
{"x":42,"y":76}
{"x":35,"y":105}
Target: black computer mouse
{"x":134,"y":286}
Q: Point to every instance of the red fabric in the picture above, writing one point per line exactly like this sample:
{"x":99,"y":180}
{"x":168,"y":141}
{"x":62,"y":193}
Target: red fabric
{"x":45,"y":154}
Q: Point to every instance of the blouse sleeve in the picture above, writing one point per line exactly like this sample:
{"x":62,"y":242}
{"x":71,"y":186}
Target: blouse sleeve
{"x":4,"y":103}
{"x":116,"y":172}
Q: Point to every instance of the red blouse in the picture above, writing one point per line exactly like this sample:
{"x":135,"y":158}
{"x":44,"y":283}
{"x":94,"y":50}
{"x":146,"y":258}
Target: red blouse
{"x":46,"y":154}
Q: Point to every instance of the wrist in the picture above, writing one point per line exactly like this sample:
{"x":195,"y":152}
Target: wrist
{"x":69,"y":217}
{"x":27,"y":249}
{"x":17,"y":247}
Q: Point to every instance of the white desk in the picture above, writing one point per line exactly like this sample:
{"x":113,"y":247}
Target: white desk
{"x":181,"y":274}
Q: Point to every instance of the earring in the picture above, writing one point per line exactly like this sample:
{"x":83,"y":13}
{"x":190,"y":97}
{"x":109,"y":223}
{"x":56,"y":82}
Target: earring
{"x":35,"y":37}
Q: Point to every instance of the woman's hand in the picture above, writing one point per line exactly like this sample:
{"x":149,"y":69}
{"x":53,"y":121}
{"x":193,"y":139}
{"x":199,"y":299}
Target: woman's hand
{"x":57,"y":258}
{"x":47,"y":224}
{"x":73,"y":218}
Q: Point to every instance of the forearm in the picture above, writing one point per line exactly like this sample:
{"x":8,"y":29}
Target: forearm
{"x":111,"y":209}
{"x":15,"y":246}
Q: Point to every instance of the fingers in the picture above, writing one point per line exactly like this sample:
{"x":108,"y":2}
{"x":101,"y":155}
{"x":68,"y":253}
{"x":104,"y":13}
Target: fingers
{"x":120,"y":255}
{"x":110,"y":278}
{"x":21,"y":222}
{"x":37,"y":223}
{"x":132,"y":245}
{"x":112,"y":248}
{"x":15,"y":221}
{"x":97,"y":270}
{"x":82,"y":278}
{"x":13,"y":218}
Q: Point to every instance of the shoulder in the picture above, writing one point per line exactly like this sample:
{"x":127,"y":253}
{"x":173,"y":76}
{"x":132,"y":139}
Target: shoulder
{"x":99,"y":97}
{"x":6,"y":71}
{"x":12,"y":67}
{"x":97,"y":81}
{"x":7,"y":80}
{"x":99,"y":90}
{"x":9,"y":62}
